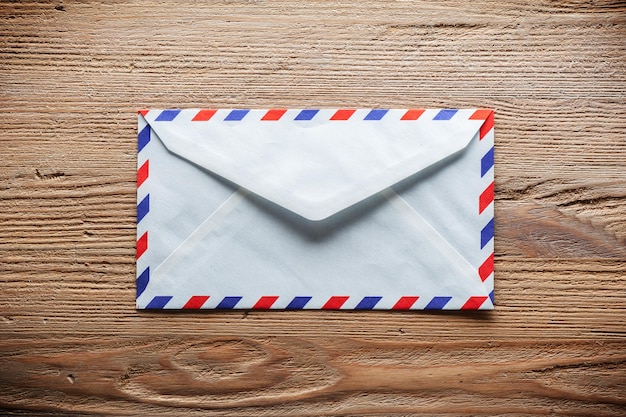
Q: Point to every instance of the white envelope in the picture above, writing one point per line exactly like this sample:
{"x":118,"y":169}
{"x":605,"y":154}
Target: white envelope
{"x":315,"y":209}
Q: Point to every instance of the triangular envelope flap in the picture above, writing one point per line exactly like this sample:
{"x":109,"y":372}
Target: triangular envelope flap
{"x":315,"y":167}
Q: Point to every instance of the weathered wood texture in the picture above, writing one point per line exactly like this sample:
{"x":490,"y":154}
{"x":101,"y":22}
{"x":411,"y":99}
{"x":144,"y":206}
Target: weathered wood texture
{"x":72,"y":76}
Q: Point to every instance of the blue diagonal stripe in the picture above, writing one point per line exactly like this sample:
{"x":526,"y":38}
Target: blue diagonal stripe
{"x":142,"y":281}
{"x":236,"y":115}
{"x":437,"y":303}
{"x":158,"y":302}
{"x":167,"y":115}
{"x":298,"y":303}
{"x":143,"y":138}
{"x":491,"y":296}
{"x":143,"y":208}
{"x":368,"y":303}
{"x":376,"y":114}
{"x":306,"y":114}
{"x":486,"y":234}
{"x":486,"y":162}
{"x":228,"y":302}
{"x":445,"y":114}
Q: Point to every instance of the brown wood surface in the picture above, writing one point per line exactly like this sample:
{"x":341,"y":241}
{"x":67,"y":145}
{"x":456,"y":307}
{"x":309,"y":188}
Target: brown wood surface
{"x":72,"y":76}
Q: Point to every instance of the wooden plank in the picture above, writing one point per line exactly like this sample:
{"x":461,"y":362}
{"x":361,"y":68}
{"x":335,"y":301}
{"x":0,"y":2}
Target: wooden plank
{"x":321,"y":376}
{"x":91,"y":295}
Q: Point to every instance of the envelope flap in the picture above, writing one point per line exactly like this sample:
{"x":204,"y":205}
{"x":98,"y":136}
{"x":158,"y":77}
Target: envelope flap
{"x":314,"y":162}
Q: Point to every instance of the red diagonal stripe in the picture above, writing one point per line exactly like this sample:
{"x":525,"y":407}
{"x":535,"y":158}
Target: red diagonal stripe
{"x":142,"y":244}
{"x":487,"y":116}
{"x":335,"y":303}
{"x":342,"y":114}
{"x":404,"y":303}
{"x":142,"y":173}
{"x":412,"y":114}
{"x":143,"y":112}
{"x":481,"y":114}
{"x":473,"y":303}
{"x":486,"y":268}
{"x":197,"y":301}
{"x":265,"y":302}
{"x":274,"y":114}
{"x":487,"y":126}
{"x":485,"y":198}
{"x":203,"y":115}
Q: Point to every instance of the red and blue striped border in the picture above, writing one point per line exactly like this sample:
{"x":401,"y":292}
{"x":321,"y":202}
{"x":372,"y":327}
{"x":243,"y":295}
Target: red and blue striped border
{"x":274,"y":115}
{"x":334,"y":302}
{"x":486,"y":197}
{"x":300,"y":302}
{"x":143,"y":207}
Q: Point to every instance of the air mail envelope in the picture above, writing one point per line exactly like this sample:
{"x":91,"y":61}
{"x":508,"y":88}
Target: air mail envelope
{"x":388,"y":209}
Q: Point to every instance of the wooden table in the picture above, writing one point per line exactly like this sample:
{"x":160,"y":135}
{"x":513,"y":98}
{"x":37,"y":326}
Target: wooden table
{"x":72,"y":76}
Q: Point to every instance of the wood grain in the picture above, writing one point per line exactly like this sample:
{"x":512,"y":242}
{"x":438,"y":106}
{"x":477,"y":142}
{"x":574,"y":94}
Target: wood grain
{"x":300,"y":376}
{"x":72,"y":76}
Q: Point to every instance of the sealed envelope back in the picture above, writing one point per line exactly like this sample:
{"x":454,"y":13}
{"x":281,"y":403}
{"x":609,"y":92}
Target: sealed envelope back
{"x":315,"y":209}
